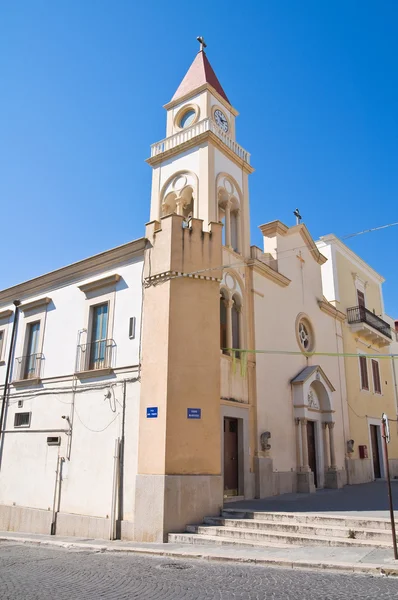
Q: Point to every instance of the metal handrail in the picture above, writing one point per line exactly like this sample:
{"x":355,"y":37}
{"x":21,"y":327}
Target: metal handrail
{"x":360,"y":314}
{"x":95,"y":355}
{"x":28,"y":366}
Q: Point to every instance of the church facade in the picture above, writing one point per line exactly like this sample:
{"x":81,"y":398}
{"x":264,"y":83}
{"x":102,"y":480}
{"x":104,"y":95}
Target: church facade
{"x":148,"y":385}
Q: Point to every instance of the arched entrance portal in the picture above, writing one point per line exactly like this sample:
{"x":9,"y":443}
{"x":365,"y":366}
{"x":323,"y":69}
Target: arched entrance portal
{"x":313,"y":412}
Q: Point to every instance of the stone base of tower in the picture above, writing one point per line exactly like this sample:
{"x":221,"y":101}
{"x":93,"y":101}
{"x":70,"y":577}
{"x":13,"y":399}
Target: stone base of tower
{"x":168,"y":503}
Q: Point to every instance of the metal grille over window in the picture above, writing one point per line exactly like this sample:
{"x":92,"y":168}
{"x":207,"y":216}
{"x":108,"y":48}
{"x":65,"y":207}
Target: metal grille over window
{"x":22,"y":419}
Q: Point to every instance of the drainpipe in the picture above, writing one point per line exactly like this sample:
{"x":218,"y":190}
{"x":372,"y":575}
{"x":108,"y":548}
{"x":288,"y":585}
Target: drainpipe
{"x":8,"y":371}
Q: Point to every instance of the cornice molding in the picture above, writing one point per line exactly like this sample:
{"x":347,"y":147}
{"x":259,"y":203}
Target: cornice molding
{"x":268,"y":272}
{"x":199,"y":90}
{"x":331,"y":310}
{"x":278,"y":228}
{"x":79,"y":270}
{"x":41,"y":302}
{"x":333,"y":240}
{"x":196,"y":141}
{"x":5,"y":314}
{"x":273,"y":228}
{"x":97,"y":284}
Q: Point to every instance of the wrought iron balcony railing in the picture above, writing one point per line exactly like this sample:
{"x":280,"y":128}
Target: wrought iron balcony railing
{"x":95,"y":355}
{"x":360,"y":314}
{"x":28,"y":367}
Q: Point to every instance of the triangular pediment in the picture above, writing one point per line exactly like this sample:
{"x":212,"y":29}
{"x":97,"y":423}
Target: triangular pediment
{"x":278,"y":228}
{"x":315,"y":372}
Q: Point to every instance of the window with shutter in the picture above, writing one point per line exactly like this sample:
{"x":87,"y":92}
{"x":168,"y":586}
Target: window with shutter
{"x":361,"y":298}
{"x":376,"y":377}
{"x":364,"y":373}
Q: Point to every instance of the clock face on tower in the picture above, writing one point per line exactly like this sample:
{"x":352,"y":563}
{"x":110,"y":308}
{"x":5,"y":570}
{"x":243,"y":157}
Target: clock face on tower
{"x":221,"y":120}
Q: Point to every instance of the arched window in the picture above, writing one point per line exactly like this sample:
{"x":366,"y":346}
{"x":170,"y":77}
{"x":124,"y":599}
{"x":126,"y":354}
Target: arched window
{"x":223,"y":323}
{"x":235,"y":317}
{"x":234,"y":231}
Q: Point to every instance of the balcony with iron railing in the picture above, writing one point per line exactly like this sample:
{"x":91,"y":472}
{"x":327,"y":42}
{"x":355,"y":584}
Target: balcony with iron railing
{"x":196,"y":130}
{"x":369,"y":325}
{"x":95,"y":358}
{"x":28,"y":369}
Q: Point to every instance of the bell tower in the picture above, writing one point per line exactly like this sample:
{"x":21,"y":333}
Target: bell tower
{"x":199,"y":169}
{"x":200,"y":181}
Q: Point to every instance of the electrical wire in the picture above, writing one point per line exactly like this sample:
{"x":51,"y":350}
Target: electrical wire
{"x":95,"y":430}
{"x":66,"y":390}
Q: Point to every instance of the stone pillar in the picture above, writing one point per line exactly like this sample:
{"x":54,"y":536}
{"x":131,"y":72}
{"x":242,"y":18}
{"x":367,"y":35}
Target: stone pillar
{"x":229,"y":304}
{"x":228,"y":224}
{"x":304,"y":441}
{"x":179,"y":207}
{"x":332,"y":450}
{"x":326,"y":445}
{"x":299,"y":444}
{"x":240,"y":317}
{"x":238,"y":232}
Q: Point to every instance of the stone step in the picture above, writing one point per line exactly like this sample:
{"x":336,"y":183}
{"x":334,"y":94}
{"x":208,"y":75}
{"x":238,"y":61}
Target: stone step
{"x":217,"y":540}
{"x":236,"y":535}
{"x":312,"y":529}
{"x":354,"y":522}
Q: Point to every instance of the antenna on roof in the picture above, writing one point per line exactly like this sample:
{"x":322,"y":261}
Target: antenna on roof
{"x":298,"y":216}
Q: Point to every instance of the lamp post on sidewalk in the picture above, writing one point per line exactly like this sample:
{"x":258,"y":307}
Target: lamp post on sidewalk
{"x":386,"y":440}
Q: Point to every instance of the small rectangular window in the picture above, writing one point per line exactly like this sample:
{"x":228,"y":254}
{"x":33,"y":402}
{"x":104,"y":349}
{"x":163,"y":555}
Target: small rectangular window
{"x":376,"y":377}
{"x":22,"y":419}
{"x":1,"y":342}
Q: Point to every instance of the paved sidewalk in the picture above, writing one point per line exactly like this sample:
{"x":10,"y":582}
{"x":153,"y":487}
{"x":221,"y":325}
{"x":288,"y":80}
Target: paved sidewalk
{"x":360,"y":560}
{"x":362,"y":500}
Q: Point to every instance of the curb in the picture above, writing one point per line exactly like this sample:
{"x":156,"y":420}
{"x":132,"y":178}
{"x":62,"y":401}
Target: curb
{"x":369,"y":568}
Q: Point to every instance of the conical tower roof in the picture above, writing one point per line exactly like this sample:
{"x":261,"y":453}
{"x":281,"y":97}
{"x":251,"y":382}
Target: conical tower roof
{"x":199,"y":73}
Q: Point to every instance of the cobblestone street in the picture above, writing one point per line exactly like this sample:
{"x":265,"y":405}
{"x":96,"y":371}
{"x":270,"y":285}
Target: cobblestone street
{"x":37,"y":573}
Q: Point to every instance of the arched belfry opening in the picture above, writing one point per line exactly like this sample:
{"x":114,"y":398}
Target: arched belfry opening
{"x":229,"y":212}
{"x":179,"y":195}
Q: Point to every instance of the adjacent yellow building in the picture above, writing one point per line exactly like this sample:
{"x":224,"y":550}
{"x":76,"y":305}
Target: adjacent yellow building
{"x":356,"y":289}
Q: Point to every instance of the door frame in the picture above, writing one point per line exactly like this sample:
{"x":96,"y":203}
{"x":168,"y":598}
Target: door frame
{"x":379,"y":447}
{"x":317,"y":448}
{"x":242,"y":414}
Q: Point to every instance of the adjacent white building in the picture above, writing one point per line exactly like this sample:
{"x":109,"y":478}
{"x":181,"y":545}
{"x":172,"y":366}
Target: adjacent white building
{"x":73,"y":397}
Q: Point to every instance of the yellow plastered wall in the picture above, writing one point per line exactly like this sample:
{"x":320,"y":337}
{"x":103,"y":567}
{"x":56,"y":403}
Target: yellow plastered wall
{"x":363,"y":404}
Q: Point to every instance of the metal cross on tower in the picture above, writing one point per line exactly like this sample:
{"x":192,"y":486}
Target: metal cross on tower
{"x":202,"y":43}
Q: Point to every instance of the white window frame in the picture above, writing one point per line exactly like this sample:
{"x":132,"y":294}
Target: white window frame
{"x":22,"y":426}
{"x":33,"y":312}
{"x":360,"y":286}
{"x":5,"y":317}
{"x":3,"y":333}
{"x":100,"y":291}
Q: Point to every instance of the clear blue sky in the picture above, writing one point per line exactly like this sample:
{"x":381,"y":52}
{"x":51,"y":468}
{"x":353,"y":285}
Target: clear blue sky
{"x":82,"y":89}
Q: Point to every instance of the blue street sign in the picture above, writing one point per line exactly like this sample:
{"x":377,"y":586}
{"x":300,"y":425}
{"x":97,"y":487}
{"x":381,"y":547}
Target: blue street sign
{"x":194,"y":413}
{"x":152,"y":412}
